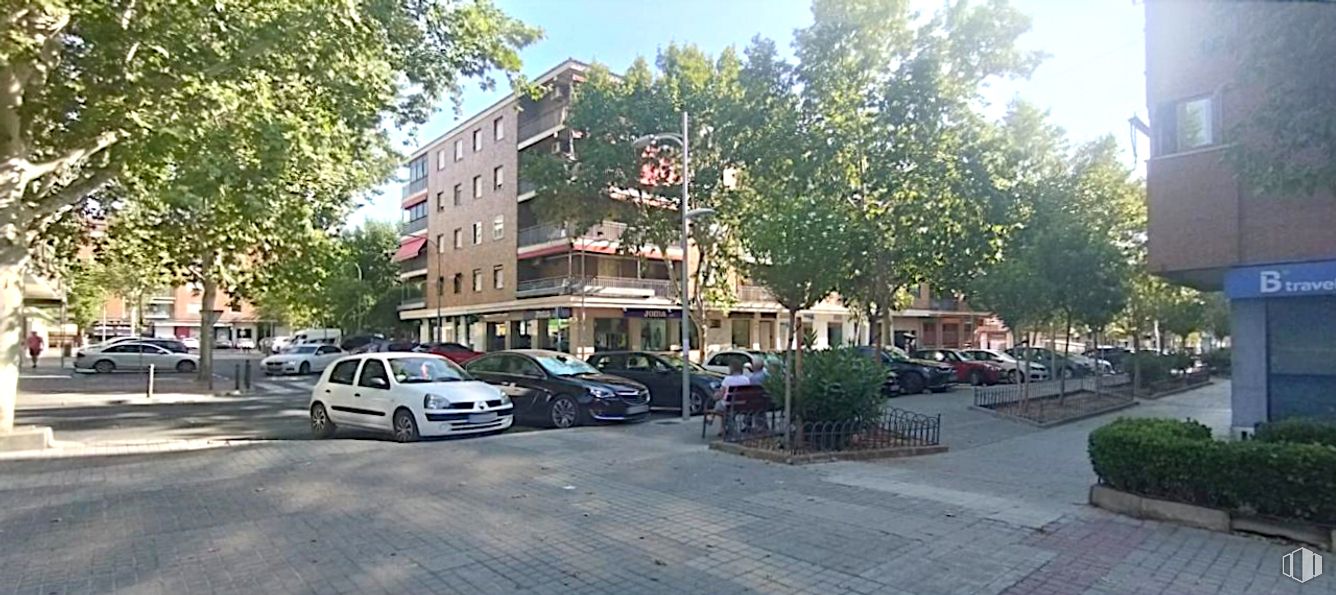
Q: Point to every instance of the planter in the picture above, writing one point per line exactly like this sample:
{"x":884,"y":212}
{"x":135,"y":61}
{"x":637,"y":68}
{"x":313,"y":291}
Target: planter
{"x":779,"y":456}
{"x":1212,"y":519}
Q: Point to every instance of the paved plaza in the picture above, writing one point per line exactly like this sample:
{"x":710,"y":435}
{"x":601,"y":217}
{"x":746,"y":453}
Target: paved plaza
{"x":619,"y":509}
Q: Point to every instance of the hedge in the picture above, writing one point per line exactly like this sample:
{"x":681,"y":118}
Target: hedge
{"x":1180,"y":461}
{"x":1301,"y":430}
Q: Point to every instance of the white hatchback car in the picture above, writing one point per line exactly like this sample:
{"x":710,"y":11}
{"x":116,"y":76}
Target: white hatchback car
{"x":407,"y":394}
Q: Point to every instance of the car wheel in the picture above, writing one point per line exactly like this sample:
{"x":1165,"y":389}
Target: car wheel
{"x":305,"y":368}
{"x":564,"y":412}
{"x":405,"y":427}
{"x":105,"y":366}
{"x":321,"y":425}
{"x":185,"y":366}
{"x":976,"y":378}
{"x":913,"y":384}
{"x":698,"y":401}
{"x":1012,"y":377}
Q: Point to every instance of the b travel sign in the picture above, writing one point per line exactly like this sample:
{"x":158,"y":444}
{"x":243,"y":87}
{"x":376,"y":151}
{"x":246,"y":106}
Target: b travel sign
{"x":1282,"y":280}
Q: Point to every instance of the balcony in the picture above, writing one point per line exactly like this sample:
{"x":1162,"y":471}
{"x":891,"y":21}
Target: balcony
{"x":414,"y":266}
{"x":593,"y":287}
{"x":944,"y":304}
{"x":414,"y":296}
{"x":409,"y":227}
{"x":158,"y":311}
{"x":542,"y":234}
{"x":539,"y":123}
{"x":527,"y":188}
{"x":415,"y":187}
{"x":754,"y":293}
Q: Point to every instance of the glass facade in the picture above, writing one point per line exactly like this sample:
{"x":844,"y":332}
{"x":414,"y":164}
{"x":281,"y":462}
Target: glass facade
{"x":1301,"y":357}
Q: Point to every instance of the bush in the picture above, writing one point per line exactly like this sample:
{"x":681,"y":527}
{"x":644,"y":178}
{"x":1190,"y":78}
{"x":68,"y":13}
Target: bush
{"x":1219,"y":361}
{"x":837,"y":384}
{"x":1179,"y":461}
{"x":1300,"y":430}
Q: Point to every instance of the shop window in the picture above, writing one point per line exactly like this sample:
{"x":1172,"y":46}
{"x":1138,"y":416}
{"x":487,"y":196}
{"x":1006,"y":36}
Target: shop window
{"x":654,"y":335}
{"x":610,"y":334}
{"x":1301,"y":362}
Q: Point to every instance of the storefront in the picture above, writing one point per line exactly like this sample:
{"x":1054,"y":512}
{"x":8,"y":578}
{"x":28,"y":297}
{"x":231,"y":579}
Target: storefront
{"x":1284,"y":341}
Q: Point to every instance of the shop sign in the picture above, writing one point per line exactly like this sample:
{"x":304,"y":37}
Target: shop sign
{"x":1282,"y":280}
{"x":641,"y":313}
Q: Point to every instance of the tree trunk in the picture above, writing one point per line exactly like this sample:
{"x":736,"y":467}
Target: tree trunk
{"x":789,"y":364}
{"x":207,"y":318}
{"x":1136,"y":361}
{"x":13,"y":259}
{"x":874,"y":332}
{"x":1066,"y":359}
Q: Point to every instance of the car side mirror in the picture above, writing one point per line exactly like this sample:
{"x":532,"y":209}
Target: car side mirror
{"x":378,"y":382}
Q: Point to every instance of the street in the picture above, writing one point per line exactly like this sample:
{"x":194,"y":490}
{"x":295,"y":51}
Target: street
{"x":611,"y":509}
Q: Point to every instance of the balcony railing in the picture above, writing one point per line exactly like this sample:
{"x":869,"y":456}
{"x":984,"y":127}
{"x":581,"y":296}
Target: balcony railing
{"x":415,"y":187}
{"x":407,"y":227}
{"x":414,"y":264}
{"x":527,"y":187}
{"x":413,"y":296}
{"x":541,"y":234}
{"x":593,"y":286}
{"x":540,"y":122}
{"x":754,"y":293}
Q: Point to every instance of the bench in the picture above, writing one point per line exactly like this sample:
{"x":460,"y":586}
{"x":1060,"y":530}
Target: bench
{"x":741,"y":403}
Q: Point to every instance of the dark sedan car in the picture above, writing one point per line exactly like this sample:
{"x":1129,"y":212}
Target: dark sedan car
{"x":557,"y":389}
{"x":915,"y":375}
{"x":662,"y":373}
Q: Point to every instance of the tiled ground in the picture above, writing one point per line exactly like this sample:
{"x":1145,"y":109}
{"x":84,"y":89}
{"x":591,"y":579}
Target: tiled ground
{"x":639,"y":509}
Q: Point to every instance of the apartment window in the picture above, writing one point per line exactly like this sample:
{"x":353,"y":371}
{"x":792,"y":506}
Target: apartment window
{"x":477,"y":186}
{"x":440,"y":201}
{"x":459,"y":282}
{"x":498,"y":278}
{"x":459,"y":238}
{"x":477,"y":140}
{"x":459,"y":194}
{"x":440,"y":243}
{"x":417,"y":169}
{"x":1187,"y":125}
{"x":498,"y":176}
{"x":477,"y":233}
{"x":459,"y":149}
{"x":499,"y":227}
{"x":416,"y":212}
{"x":477,"y":280}
{"x":440,"y":159}
{"x":499,"y":128}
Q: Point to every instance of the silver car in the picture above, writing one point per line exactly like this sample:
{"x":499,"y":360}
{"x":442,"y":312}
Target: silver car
{"x":135,"y":356}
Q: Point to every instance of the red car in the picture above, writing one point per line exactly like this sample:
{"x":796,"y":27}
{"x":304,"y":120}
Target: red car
{"x":967,"y":370}
{"x":452,"y":351}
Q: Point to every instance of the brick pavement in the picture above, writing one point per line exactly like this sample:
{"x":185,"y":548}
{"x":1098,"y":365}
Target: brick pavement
{"x":637,"y":509}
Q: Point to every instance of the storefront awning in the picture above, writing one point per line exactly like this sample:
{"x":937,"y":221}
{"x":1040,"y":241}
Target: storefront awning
{"x":409,"y":249}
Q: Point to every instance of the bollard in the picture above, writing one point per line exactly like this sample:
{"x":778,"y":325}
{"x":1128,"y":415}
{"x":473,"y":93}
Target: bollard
{"x":248,"y":376}
{"x":151,"y":368}
{"x":236,"y":376}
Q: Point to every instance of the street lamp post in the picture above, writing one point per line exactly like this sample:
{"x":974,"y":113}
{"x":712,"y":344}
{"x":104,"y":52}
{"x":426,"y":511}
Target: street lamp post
{"x":683,"y":141}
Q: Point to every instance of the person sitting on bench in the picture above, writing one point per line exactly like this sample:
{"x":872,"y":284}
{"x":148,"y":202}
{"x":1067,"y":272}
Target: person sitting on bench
{"x":737,"y":376}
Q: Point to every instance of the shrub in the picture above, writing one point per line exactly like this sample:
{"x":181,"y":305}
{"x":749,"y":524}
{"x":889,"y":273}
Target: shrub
{"x":837,"y":384}
{"x":1180,"y":461}
{"x":1300,"y":430}
{"x":1219,"y":361}
{"x":1158,"y":368}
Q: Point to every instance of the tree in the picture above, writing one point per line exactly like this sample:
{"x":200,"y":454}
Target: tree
{"x":607,"y":179}
{"x":91,"y":91}
{"x":1286,"y":143}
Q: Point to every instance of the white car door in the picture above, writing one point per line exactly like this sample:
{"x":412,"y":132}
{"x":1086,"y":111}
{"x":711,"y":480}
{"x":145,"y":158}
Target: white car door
{"x":337,"y":392}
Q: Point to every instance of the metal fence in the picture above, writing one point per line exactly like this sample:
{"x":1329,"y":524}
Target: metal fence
{"x":895,"y":428}
{"x":1000,"y":395}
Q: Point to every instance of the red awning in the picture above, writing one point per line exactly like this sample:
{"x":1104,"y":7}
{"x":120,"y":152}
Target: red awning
{"x":409,"y":249}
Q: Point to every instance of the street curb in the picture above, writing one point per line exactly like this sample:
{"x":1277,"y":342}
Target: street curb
{"x":1212,"y":519}
{"x":1049,"y":424}
{"x":825,"y":457}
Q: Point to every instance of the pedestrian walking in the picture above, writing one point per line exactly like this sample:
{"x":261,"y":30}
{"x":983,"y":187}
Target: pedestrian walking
{"x":35,"y":346}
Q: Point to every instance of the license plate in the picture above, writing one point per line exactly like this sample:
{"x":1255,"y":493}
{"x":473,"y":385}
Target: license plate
{"x":637,"y":409}
{"x":482,"y":418}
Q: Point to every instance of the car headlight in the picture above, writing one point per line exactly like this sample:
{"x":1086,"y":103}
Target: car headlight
{"x":435,"y":402}
{"x":599,"y":392}
{"x":505,"y":399}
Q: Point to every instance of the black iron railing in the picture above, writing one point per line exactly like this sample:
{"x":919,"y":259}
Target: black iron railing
{"x":998,"y":395}
{"x":893,"y":429}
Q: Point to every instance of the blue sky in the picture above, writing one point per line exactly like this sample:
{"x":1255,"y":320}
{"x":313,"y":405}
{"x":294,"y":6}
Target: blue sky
{"x":1092,"y":80}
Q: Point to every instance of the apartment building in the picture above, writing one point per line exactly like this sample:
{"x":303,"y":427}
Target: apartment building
{"x":482,"y":267}
{"x":176,"y":313}
{"x":1274,"y":256}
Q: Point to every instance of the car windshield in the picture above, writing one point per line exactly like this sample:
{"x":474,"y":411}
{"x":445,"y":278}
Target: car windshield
{"x":301,"y":349}
{"x":675,"y":361}
{"x":564,"y":365}
{"x":897,"y":353}
{"x":417,"y":370}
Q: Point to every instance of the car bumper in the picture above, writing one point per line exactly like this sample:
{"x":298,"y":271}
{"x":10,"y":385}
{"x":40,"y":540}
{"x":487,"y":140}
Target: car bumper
{"x":619,"y":409}
{"x":281,"y":369}
{"x":455,"y":423}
